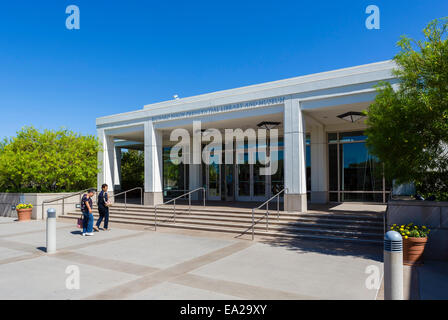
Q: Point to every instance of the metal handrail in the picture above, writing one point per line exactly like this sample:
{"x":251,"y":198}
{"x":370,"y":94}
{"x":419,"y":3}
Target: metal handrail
{"x":125,"y":196}
{"x":385,"y":213}
{"x":63,"y":200}
{"x":174,"y":200}
{"x":81,"y":192}
{"x":267,"y":211}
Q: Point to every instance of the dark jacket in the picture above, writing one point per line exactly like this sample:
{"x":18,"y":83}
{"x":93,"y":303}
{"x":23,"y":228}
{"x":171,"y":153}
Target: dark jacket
{"x":102,"y":199}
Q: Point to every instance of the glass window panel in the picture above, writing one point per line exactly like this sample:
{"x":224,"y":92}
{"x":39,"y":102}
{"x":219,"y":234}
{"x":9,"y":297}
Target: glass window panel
{"x":360,"y":171}
{"x":352,"y":136}
{"x":229,"y":180}
{"x":259,"y":189}
{"x":308,"y":167}
{"x":213,"y":180}
{"x":174,"y":176}
{"x":332,"y":137}
{"x":259,"y":180}
{"x":277,"y":179}
{"x":244,"y":180}
{"x":361,"y":197}
{"x":333,"y":166}
{"x":333,"y":197}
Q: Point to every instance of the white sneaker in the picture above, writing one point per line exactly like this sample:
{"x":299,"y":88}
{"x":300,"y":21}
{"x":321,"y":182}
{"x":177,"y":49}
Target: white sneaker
{"x":83,"y":234}
{"x":90,"y":234}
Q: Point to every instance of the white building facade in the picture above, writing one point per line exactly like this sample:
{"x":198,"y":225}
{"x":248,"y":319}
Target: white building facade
{"x":322,"y":156}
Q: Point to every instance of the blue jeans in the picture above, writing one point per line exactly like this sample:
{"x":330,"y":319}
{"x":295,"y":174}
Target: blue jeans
{"x":87,"y":220}
{"x":104,"y":214}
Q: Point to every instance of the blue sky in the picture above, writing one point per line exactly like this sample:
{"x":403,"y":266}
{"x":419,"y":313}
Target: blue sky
{"x":131,"y":53}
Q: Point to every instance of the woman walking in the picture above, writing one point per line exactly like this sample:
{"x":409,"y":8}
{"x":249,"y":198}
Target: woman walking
{"x":86,"y":208}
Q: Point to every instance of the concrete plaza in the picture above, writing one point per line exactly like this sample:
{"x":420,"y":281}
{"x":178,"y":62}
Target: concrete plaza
{"x":138,"y":263}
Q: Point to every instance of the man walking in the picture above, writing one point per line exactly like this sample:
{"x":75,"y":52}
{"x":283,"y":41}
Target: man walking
{"x":103,"y":208}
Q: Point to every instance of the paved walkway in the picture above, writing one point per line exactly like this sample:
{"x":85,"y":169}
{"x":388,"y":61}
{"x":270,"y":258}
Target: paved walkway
{"x":138,"y":263}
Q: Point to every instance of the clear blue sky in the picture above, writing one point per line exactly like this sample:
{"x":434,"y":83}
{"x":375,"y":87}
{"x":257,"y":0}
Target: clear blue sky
{"x":131,"y":53}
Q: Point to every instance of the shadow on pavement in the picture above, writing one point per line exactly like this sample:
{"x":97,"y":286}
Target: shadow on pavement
{"x":336,"y":248}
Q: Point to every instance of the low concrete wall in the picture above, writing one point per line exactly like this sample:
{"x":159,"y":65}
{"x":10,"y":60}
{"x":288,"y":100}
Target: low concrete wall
{"x":434,"y":215}
{"x":6,"y":201}
{"x":36,"y":199}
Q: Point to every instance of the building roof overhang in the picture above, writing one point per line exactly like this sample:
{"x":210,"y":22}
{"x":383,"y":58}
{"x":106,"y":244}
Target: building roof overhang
{"x":345,"y":81}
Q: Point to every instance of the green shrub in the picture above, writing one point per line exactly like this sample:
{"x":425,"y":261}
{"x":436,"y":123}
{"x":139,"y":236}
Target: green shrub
{"x":48,"y":161}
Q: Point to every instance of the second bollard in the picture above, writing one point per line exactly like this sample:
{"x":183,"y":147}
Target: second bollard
{"x":51,"y":231}
{"x":393,"y":266}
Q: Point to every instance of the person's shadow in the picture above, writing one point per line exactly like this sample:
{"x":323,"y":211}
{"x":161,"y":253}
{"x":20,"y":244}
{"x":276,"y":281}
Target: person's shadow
{"x":77,"y":232}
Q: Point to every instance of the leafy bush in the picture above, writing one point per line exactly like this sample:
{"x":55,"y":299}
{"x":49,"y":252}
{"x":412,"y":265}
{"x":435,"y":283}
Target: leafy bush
{"x":433,"y":184}
{"x":408,"y":125}
{"x":48,"y":161}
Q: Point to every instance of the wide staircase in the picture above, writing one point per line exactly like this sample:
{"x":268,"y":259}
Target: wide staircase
{"x":361,"y":227}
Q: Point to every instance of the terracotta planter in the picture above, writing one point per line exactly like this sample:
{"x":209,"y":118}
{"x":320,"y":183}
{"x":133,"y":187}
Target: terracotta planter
{"x":24,"y":214}
{"x":413,"y":249}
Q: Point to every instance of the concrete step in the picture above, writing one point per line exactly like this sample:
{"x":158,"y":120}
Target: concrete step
{"x":346,"y":226}
{"x":184,"y":208}
{"x":261,"y":225}
{"x":349,"y":218}
{"x":343,"y":225}
{"x":239,"y":217}
{"x":291,"y":232}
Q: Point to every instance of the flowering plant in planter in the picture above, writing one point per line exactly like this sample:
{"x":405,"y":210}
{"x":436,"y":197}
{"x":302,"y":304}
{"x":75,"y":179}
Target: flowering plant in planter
{"x":411,"y":231}
{"x":24,"y":206}
{"x":24,"y":211}
{"x":414,"y":242}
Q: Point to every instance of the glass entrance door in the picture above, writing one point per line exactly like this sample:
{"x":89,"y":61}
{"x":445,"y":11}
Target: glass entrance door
{"x":213,"y":181}
{"x":229,"y":182}
{"x":259,"y":183}
{"x":251,"y":185}
{"x":243,"y":182}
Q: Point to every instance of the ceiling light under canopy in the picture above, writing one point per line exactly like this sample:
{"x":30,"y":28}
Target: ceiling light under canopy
{"x":352,"y":116}
{"x":268,"y":125}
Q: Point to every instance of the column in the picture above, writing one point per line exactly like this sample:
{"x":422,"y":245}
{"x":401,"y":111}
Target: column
{"x":195,"y":173}
{"x":294,"y":154}
{"x":153,"y":165}
{"x":319,"y":168}
{"x":117,"y":170}
{"x":106,"y":160}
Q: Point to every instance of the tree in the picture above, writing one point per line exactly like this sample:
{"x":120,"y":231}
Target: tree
{"x":48,"y":161}
{"x":408,"y":126}
{"x":132,"y":169}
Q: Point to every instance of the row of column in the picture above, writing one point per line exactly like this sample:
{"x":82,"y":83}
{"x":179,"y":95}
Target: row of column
{"x":294,"y":161}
